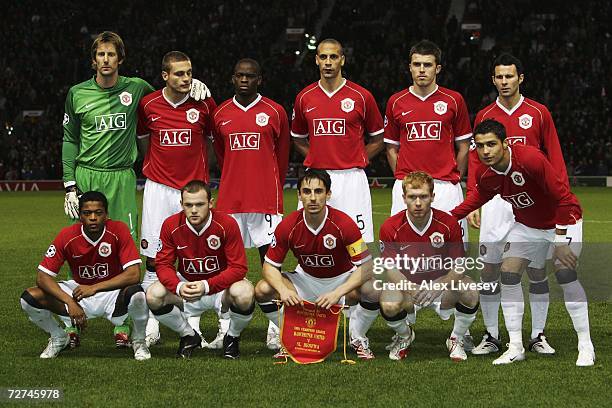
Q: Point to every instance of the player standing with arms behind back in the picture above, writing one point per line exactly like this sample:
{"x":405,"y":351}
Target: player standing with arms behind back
{"x":173,"y":128}
{"x":252,"y":144}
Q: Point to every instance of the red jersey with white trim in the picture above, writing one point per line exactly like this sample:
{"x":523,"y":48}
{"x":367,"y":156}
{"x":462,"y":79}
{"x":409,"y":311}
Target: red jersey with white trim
{"x":91,"y":262}
{"x":529,"y":123}
{"x":334,"y":124}
{"x":539,"y":198}
{"x":215,"y":254}
{"x":426,"y":129}
{"x":252,"y":146}
{"x":431,"y":248}
{"x":177,"y":138}
{"x":335,"y":248}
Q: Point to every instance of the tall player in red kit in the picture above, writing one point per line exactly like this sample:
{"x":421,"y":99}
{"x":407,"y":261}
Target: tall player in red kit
{"x":427,"y":128}
{"x":251,"y":138}
{"x":104,"y":266}
{"x":330,"y":118}
{"x":201,"y":266}
{"x":172,"y":129}
{"x":545,"y":210}
{"x":530,"y":123}
{"x":333,"y":260}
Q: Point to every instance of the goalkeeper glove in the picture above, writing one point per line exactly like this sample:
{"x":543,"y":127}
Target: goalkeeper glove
{"x":199,"y":90}
{"x":71,"y":202}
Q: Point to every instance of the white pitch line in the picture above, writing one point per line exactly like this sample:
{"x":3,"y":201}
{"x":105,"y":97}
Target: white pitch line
{"x":599,"y":221}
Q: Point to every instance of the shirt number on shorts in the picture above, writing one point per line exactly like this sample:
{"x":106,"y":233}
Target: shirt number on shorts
{"x":360,"y":222}
{"x":268,"y":218}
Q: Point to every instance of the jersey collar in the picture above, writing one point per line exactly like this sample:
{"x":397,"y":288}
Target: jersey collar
{"x":423,"y":98}
{"x":175,"y":105}
{"x":505,"y":172}
{"x":511,"y":111}
{"x":250,"y":105}
{"x":315,"y":232}
{"x":206,"y":225}
{"x":330,"y":94}
{"x":89,"y":240}
{"x":415,"y":229}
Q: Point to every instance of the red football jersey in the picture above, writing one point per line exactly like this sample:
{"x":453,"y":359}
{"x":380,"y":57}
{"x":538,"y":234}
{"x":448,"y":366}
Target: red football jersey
{"x":528,"y":123}
{"x":335,"y":124}
{"x":252,"y":146}
{"x":426,"y":129}
{"x":539,"y":198}
{"x":177,"y":138}
{"x":215,"y":254}
{"x":91,"y":262}
{"x":333,"y":249}
{"x":431,"y":247}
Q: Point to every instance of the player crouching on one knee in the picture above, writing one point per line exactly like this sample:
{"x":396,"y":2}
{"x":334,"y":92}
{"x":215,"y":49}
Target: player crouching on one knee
{"x":105,"y":269}
{"x":426,"y":248}
{"x":333,"y":260}
{"x":201,"y":266}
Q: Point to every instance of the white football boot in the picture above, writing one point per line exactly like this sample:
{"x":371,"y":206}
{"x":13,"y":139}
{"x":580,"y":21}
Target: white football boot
{"x":540,"y":345}
{"x":513,"y":354}
{"x":55,"y":345}
{"x":455,"y":347}
{"x":141,"y":351}
{"x":400,"y":345}
{"x":217,"y":343}
{"x":586,"y":356}
{"x":273,"y":337}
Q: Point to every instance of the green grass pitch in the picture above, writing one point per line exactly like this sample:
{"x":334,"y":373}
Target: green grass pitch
{"x":97,"y":374}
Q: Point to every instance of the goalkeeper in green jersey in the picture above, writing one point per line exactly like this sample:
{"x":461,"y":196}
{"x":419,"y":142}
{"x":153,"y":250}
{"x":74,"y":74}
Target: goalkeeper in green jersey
{"x":99,"y":144}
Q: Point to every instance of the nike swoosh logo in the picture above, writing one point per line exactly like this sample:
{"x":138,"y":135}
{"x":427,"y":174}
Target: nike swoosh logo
{"x":270,"y":233}
{"x":309,"y":109}
{"x":155,"y":118}
{"x":181,"y":247}
{"x":406,"y":113}
{"x":89,"y":105}
{"x":77,"y":256}
{"x":225,"y":122}
{"x":496,"y":188}
{"x":299,"y":246}
{"x":404,"y":247}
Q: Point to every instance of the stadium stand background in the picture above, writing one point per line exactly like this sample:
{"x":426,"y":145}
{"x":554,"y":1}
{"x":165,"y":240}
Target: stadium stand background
{"x":566,"y":49}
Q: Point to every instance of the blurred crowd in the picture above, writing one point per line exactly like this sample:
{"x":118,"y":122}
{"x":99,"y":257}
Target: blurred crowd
{"x":566,"y":50}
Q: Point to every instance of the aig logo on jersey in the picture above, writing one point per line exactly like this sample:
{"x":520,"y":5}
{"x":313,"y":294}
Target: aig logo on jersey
{"x":437,"y":240}
{"x":512,"y":140}
{"x":317,"y":261}
{"x":97,"y":271}
{"x":329,"y":241}
{"x":440,"y":107}
{"x":214,"y":242}
{"x":262,"y":119}
{"x":193,"y":115}
{"x":125,"y":98}
{"x":244,"y":141}
{"x":113,"y":121}
{"x":347,"y":105}
{"x":517,"y":178}
{"x":201,"y":266}
{"x":175,"y":137}
{"x":525,"y":121}
{"x":423,"y":131}
{"x":104,"y":249}
{"x":520,"y":200}
{"x":328,"y":127}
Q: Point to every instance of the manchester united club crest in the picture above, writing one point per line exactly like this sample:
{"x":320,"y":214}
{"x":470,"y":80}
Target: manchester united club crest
{"x":104,"y":249}
{"x":262,"y":119}
{"x":125,"y":98}
{"x":437,"y":240}
{"x":525,"y":121}
{"x":193,"y":115}
{"x":517,"y":178}
{"x":144,"y":244}
{"x":329,"y":241}
{"x":347,"y":105}
{"x":310,"y":322}
{"x":381,"y":246}
{"x":51,"y":251}
{"x":440,"y":107}
{"x":483,"y":250}
{"x":214,"y":242}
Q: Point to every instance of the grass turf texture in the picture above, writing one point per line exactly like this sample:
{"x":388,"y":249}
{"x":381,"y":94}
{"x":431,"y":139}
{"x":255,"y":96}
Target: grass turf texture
{"x":98,"y":374}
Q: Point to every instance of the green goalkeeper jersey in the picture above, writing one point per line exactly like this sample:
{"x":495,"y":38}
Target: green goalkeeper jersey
{"x":100,"y":125}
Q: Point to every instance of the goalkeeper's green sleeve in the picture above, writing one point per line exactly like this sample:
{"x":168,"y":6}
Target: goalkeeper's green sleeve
{"x":69,"y":153}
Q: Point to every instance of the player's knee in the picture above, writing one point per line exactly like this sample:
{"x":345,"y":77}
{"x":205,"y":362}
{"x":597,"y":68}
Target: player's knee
{"x":489,"y":273}
{"x":536,"y":274}
{"x":390,"y":308}
{"x":155,"y":295}
{"x":134,"y":295}
{"x":368,"y":293}
{"x":510,"y":278}
{"x":263,"y":291}
{"x":469,"y":298}
{"x":32,"y":297}
{"x":242,"y":294}
{"x":566,"y":276}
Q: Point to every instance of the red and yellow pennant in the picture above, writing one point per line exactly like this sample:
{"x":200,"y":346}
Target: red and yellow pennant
{"x":309,"y":334}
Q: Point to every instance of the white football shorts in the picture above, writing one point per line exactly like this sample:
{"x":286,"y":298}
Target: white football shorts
{"x":447,"y":197}
{"x":257,"y":229}
{"x":159,"y":202}
{"x":310,"y":288}
{"x":528,"y":243}
{"x":102,"y":304}
{"x":351,"y":195}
